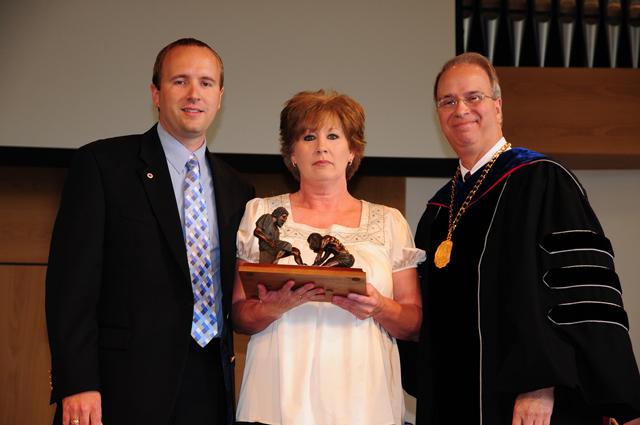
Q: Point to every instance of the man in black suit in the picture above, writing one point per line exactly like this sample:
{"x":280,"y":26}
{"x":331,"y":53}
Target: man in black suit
{"x":137,"y":295}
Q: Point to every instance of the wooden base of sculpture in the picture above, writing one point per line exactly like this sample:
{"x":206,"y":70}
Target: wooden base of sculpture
{"x":334,"y":280}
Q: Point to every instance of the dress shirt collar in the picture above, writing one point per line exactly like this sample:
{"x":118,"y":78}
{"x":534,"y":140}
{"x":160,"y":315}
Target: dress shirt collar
{"x":177,"y":154}
{"x":483,"y":161}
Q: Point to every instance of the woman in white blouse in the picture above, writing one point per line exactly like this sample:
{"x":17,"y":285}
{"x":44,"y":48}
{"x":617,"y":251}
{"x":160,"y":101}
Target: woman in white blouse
{"x":320,"y":363}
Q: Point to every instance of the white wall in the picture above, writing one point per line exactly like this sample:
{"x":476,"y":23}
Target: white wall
{"x":73,"y":71}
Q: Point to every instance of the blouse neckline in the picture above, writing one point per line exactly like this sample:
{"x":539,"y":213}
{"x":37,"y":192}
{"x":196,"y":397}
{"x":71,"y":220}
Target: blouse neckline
{"x":364,"y":217}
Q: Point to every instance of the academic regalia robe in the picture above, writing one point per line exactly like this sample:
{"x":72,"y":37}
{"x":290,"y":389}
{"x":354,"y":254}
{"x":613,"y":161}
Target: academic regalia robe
{"x":530,"y":299}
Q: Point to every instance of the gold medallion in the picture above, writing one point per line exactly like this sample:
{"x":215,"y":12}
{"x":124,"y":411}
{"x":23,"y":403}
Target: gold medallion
{"x":443,"y":253}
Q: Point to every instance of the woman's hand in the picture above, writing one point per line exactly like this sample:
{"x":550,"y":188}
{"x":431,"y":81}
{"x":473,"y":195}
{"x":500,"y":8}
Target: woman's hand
{"x":362,"y":306}
{"x":252,"y":315}
{"x":400,"y":316}
{"x":284,"y":299}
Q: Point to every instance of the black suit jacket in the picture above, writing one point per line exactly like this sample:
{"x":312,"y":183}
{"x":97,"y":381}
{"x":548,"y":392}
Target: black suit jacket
{"x":119,"y":301}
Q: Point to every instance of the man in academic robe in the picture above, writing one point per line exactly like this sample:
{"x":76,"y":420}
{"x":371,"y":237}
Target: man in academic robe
{"x":142,"y":263}
{"x":524,"y":322}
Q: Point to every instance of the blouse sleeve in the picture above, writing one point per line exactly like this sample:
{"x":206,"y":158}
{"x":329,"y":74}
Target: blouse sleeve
{"x":404,"y":254}
{"x":246,"y":242}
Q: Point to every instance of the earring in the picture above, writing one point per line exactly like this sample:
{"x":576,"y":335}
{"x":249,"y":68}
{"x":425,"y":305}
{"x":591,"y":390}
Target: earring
{"x":294,"y":164}
{"x":350,"y":163}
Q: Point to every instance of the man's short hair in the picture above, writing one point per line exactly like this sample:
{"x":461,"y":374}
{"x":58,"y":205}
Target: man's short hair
{"x":471,"y":58}
{"x":157,"y":66}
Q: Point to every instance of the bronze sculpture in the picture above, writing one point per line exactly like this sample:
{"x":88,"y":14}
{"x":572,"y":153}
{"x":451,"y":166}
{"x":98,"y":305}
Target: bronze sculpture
{"x":271,"y":247}
{"x":330,"y":251}
{"x":333,"y":263}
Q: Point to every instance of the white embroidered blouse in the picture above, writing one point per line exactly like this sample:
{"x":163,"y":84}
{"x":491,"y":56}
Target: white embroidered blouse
{"x":318,"y":364}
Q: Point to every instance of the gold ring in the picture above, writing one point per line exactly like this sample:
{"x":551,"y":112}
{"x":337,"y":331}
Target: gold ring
{"x":75,"y":421}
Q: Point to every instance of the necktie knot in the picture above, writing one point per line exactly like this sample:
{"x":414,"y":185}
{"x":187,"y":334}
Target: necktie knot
{"x":192,"y":164}
{"x":192,"y":176}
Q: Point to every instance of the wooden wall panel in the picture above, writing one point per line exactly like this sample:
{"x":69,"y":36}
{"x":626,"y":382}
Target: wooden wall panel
{"x":24,"y":348}
{"x":29,"y":200}
{"x":390,"y":191}
{"x":587,"y":117}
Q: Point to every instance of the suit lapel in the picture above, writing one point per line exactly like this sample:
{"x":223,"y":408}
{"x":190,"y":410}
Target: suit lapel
{"x":222,"y":188}
{"x":157,"y":184}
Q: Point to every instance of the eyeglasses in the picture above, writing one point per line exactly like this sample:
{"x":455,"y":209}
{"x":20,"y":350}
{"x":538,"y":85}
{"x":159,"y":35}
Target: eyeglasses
{"x":471,"y":99}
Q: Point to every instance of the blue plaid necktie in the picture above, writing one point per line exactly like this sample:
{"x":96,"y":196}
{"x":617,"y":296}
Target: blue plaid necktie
{"x":196,"y":230}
